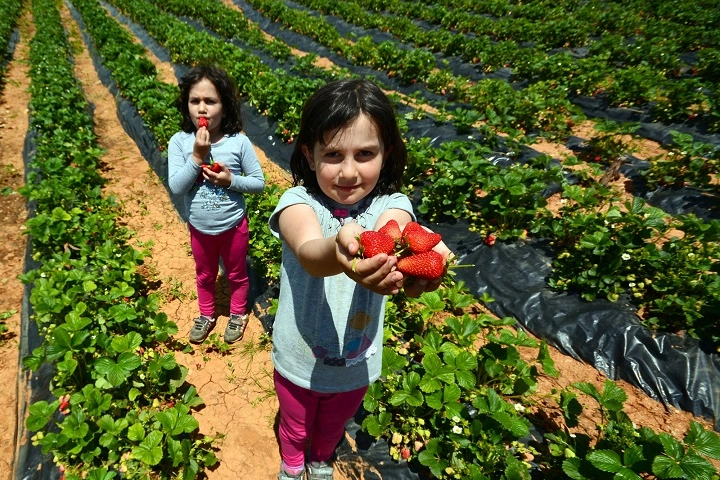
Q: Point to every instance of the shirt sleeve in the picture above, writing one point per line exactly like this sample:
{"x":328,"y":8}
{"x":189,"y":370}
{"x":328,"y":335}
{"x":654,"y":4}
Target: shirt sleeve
{"x":252,"y":180}
{"x":291,"y":196}
{"x":182,"y":171}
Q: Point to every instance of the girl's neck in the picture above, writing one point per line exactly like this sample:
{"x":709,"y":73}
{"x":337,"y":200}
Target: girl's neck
{"x":215,"y":137}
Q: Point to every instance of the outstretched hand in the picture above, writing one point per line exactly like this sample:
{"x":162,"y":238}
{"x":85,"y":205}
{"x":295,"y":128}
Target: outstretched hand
{"x":380,"y":273}
{"x":377,"y":274}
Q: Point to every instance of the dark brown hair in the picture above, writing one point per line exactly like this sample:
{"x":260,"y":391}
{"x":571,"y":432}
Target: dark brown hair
{"x":336,"y":104}
{"x":229,"y":97}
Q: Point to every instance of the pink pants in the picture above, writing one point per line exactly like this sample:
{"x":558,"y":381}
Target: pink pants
{"x":232,"y":246}
{"x":313,"y":421}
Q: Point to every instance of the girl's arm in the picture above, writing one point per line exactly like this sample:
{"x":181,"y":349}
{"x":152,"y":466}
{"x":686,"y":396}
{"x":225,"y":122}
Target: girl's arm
{"x":324,"y":257}
{"x":181,"y":172}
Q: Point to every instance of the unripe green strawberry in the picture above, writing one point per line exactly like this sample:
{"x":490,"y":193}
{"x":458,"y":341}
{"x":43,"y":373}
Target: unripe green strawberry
{"x":428,"y":265}
{"x":373,"y":243}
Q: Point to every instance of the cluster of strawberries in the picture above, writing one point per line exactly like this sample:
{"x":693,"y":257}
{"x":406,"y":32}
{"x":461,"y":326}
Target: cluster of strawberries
{"x":413,"y":246}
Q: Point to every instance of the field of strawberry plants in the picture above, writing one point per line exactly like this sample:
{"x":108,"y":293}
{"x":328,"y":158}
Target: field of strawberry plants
{"x":606,"y":252}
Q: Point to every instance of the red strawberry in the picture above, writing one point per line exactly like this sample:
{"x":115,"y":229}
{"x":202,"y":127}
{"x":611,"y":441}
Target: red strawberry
{"x":427,"y":265}
{"x":490,"y":240}
{"x":202,"y":122}
{"x":405,"y":453}
{"x":214,"y":167}
{"x":418,"y":239}
{"x":373,"y":243}
{"x":393,"y":229}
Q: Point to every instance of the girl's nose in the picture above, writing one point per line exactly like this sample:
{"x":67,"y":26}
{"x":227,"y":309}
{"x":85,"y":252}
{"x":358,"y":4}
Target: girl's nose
{"x":347,"y":169}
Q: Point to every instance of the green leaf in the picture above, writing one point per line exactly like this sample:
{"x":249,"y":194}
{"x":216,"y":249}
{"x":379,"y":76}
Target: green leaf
{"x":546,"y":361}
{"x":100,"y":474}
{"x":571,"y":467}
{"x":703,"y":441}
{"x":136,"y":432}
{"x":665,"y":467}
{"x":377,"y":425}
{"x":613,"y":397}
{"x":75,"y":323}
{"x":40,"y":414}
{"x":695,"y":466}
{"x":89,"y":286}
{"x":175,"y":422}
{"x":605,"y":460}
{"x":126,"y":343}
{"x":148,"y":451}
{"x":518,"y":426}
{"x":116,"y":373}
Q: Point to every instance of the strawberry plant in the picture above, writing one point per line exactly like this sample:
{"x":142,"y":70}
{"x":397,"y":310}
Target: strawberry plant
{"x":442,"y":404}
{"x":685,"y":163}
{"x":620,"y":448}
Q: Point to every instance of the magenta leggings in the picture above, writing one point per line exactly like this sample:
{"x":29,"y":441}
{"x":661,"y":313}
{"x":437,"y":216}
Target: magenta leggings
{"x":232,"y":246}
{"x":312,"y":421}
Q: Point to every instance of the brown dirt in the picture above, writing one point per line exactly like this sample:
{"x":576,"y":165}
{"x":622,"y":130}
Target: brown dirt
{"x":236,"y":386}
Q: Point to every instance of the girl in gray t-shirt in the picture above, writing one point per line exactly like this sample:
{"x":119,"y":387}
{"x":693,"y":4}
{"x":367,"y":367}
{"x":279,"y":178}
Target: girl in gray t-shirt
{"x":347,"y":167}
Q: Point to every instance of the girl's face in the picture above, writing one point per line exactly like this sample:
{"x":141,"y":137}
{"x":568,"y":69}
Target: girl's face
{"x":204,"y":101}
{"x":348,"y":166}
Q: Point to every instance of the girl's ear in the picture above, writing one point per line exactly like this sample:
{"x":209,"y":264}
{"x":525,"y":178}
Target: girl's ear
{"x":308,"y":157}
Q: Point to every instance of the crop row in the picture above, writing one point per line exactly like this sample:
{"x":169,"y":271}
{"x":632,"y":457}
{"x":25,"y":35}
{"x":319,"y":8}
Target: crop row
{"x":121,"y":400}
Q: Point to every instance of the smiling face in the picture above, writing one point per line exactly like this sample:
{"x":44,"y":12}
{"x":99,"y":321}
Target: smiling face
{"x":348,"y":166}
{"x":204,"y":101}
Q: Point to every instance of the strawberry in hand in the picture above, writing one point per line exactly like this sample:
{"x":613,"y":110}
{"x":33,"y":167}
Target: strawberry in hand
{"x":373,"y":243}
{"x":419,"y":240}
{"x":202,"y":122}
{"x":213,"y":166}
{"x":428,"y":265}
{"x":393,"y":229}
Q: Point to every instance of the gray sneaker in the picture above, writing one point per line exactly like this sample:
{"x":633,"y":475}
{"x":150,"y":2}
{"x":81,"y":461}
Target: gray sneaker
{"x":319,"y":471}
{"x":200,"y":330}
{"x":235,"y":328}
{"x":283,"y":475}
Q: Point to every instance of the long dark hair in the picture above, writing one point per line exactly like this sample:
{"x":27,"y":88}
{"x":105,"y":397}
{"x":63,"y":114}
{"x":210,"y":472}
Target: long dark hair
{"x":229,"y":97}
{"x":336,"y":104}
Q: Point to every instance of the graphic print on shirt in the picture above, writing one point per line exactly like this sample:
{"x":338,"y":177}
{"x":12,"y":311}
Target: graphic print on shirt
{"x":358,"y":346}
{"x":212,"y":196}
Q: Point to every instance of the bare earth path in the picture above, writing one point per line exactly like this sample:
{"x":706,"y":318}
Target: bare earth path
{"x":236,"y":386}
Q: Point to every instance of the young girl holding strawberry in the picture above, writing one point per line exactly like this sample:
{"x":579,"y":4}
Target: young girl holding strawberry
{"x":212,"y":165}
{"x":347,"y":168}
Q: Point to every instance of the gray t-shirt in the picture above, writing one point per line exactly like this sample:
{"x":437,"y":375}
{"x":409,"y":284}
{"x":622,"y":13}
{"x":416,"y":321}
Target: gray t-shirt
{"x":328,"y":332}
{"x":210,"y":208}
